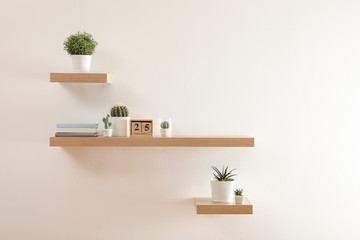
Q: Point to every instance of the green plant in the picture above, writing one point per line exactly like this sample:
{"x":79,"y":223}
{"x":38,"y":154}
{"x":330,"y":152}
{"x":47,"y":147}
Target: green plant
{"x":238,"y":192}
{"x":165,"y":125}
{"x":224,"y":175}
{"x":107,"y":122}
{"x":119,"y":110}
{"x":80,"y":44}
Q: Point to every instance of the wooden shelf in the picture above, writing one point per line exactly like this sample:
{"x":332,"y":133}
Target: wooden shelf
{"x":206,"y":206}
{"x":80,"y":77}
{"x":151,"y":142}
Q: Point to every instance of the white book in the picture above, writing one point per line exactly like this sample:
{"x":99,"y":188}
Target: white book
{"x":85,"y":130}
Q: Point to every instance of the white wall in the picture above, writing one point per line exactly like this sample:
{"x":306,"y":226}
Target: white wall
{"x":285,"y":72}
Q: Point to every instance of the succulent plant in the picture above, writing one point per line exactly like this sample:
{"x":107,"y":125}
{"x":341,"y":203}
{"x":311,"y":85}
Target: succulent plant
{"x":224,"y":175}
{"x":238,"y":191}
{"x":107,"y":122}
{"x":165,"y":125}
{"x":119,"y":110}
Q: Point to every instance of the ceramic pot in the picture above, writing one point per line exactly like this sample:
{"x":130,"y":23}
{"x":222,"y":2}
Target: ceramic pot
{"x":165,"y":132}
{"x":107,"y":132}
{"x":222,"y":191}
{"x":81,"y":63}
{"x":239,"y":199}
{"x":121,"y":126}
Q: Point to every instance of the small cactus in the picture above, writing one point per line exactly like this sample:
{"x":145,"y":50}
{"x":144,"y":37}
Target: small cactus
{"x":119,"y":110}
{"x":107,"y":122}
{"x":165,"y":125}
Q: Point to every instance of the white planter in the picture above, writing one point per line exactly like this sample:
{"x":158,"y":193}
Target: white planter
{"x":165,"y":132}
{"x":107,"y":132}
{"x":121,"y":126}
{"x":222,"y":191}
{"x":81,"y":63}
{"x":239,"y":199}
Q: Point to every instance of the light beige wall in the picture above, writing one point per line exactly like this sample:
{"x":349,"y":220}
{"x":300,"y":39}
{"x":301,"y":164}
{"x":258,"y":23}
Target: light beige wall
{"x":285,"y":72}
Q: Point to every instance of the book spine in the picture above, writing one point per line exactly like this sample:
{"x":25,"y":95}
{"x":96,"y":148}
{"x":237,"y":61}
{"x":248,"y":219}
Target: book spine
{"x":75,"y":134}
{"x":76,"y":130}
{"x":65,"y":125}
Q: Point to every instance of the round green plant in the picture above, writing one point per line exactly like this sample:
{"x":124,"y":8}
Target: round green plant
{"x":165,"y":125}
{"x":119,"y":110}
{"x":81,"y":43}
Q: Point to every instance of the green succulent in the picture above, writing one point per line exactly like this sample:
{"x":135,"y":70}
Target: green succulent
{"x":165,"y":125}
{"x":238,"y":192}
{"x":119,"y":110}
{"x":107,"y":122}
{"x":81,"y":43}
{"x":224,"y":175}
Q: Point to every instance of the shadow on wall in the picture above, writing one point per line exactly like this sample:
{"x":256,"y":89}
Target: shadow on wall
{"x":153,"y":160}
{"x":88,"y":93}
{"x":124,"y":160}
{"x":166,"y":178}
{"x":131,"y":176}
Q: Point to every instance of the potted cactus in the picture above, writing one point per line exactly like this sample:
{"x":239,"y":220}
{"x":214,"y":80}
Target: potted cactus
{"x":165,"y":129}
{"x":121,"y":120}
{"x":80,"y":47}
{"x":239,"y":198}
{"x":222,"y":185}
{"x":107,"y":132}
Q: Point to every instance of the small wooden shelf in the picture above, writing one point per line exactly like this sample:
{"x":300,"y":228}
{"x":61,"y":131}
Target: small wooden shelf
{"x":80,"y":77}
{"x":206,"y":206}
{"x":151,"y":142}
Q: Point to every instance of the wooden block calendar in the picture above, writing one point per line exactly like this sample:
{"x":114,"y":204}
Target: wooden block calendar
{"x":141,"y":127}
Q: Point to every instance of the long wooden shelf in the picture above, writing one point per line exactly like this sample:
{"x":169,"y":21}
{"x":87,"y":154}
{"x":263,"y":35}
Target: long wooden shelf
{"x":151,"y":142}
{"x":206,"y":206}
{"x":80,"y":77}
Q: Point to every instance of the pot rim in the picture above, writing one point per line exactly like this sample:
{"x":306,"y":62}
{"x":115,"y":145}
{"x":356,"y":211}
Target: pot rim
{"x":125,"y":118}
{"x":214,"y":180}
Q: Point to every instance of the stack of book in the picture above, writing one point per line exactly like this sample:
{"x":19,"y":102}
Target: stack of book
{"x":77,"y":130}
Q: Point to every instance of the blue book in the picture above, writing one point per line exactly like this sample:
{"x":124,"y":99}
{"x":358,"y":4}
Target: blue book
{"x":69,"y":125}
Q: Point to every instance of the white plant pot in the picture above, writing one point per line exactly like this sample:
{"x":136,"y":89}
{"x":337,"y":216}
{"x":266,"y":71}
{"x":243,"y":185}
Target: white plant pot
{"x":107,"y":132}
{"x":165,"y":132}
{"x":121,"y":126}
{"x":239,"y":199}
{"x":222,"y":191}
{"x":81,"y":63}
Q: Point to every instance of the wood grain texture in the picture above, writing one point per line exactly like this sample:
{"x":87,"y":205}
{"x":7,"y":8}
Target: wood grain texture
{"x":80,"y":77}
{"x":206,"y":206}
{"x":151,"y":142}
